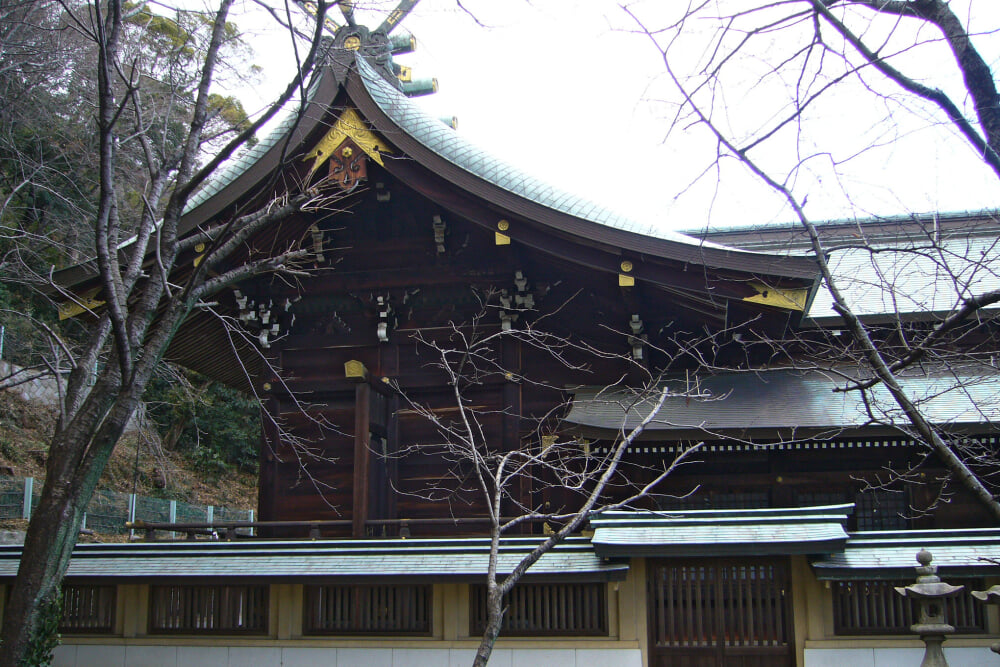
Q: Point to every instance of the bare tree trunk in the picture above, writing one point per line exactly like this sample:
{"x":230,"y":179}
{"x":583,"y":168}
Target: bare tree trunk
{"x":55,"y":524}
{"x":51,"y":537}
{"x":494,"y":620}
{"x":142,"y":310}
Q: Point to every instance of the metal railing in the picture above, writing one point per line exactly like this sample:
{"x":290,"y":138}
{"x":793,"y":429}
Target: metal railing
{"x":111,"y":512}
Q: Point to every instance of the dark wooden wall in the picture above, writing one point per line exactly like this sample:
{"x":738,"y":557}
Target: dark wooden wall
{"x":357,"y":451}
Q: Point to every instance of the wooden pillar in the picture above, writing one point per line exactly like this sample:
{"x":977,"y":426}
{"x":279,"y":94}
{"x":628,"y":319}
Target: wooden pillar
{"x":362,"y":453}
{"x":269,"y":459}
{"x":392,"y":464}
{"x":270,"y":441}
{"x":389,"y":357}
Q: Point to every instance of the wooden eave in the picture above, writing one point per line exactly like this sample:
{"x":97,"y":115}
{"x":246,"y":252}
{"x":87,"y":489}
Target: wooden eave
{"x":316,"y":561}
{"x":557,"y":242}
{"x":611,"y":243}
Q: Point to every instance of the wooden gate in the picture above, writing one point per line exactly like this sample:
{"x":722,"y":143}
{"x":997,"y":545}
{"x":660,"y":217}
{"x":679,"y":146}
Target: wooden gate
{"x":720,"y":613}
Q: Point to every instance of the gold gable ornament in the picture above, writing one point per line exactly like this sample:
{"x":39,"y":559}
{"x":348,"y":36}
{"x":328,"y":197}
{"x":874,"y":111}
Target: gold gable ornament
{"x":82,"y":303}
{"x":347,"y":145}
{"x":500,"y":237}
{"x":788,"y":299}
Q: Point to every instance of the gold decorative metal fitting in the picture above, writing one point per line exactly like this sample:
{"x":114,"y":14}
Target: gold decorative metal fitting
{"x":626,"y":266}
{"x":347,"y":152}
{"x":503,"y":225}
{"x":355,"y":370}
{"x":352,"y":43}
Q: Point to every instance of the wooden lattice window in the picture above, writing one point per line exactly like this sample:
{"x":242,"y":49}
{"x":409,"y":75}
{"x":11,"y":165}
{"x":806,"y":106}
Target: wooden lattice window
{"x":87,"y":608}
{"x":718,"y":500}
{"x":546,"y":610}
{"x":376,"y":609}
{"x":875,"y":608}
{"x":821,"y":498}
{"x":197,"y":609}
{"x":881,"y":510}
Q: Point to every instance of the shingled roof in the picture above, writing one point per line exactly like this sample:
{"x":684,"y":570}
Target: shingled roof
{"x":757,"y":532}
{"x":912,"y":267}
{"x":803,"y":401}
{"x":892,"y":554}
{"x":455,"y":559}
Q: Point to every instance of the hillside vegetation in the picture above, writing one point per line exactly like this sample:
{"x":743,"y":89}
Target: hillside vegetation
{"x":141,"y":463}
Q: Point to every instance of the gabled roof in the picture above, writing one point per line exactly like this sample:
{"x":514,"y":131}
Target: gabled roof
{"x":754,"y":532}
{"x":242,"y":162}
{"x":459,"y":178}
{"x":449,"y":144}
{"x":432,"y":144}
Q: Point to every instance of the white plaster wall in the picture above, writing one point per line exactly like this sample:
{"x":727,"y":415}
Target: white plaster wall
{"x":92,"y":655}
{"x":896,"y":657}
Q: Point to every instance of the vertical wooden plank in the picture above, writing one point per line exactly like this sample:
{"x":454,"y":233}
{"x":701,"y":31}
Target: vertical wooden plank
{"x":344,"y":606}
{"x":756,"y":592}
{"x":700,"y":588}
{"x":692,"y":608}
{"x":763,"y":586}
{"x":664,"y":587}
{"x":736,"y":632}
{"x":684,"y":608}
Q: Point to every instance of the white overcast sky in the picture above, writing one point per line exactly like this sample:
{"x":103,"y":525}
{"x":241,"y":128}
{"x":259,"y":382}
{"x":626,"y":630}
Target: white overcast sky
{"x":563,"y":90}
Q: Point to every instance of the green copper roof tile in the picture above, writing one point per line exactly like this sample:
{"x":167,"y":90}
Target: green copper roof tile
{"x":446,"y":558}
{"x":447,"y":143}
{"x":238,"y":164}
{"x":748,"y":400}
{"x":892,"y":554}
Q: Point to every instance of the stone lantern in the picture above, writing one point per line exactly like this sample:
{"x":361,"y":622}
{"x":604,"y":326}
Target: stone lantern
{"x":990,"y":596}
{"x":930,"y":593}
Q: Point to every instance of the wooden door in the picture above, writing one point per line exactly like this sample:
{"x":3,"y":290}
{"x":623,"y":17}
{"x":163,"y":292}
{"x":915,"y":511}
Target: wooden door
{"x":720,"y":613}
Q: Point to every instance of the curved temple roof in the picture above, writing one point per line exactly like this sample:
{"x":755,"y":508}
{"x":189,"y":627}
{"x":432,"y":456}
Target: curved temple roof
{"x":424,"y":136}
{"x":452,"y":146}
{"x":403,"y":123}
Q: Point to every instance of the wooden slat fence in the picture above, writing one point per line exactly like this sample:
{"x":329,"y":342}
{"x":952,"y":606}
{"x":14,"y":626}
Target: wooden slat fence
{"x":88,"y":608}
{"x":375,"y":609}
{"x":874,"y":608}
{"x":546,"y":609}
{"x":208,"y":609}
